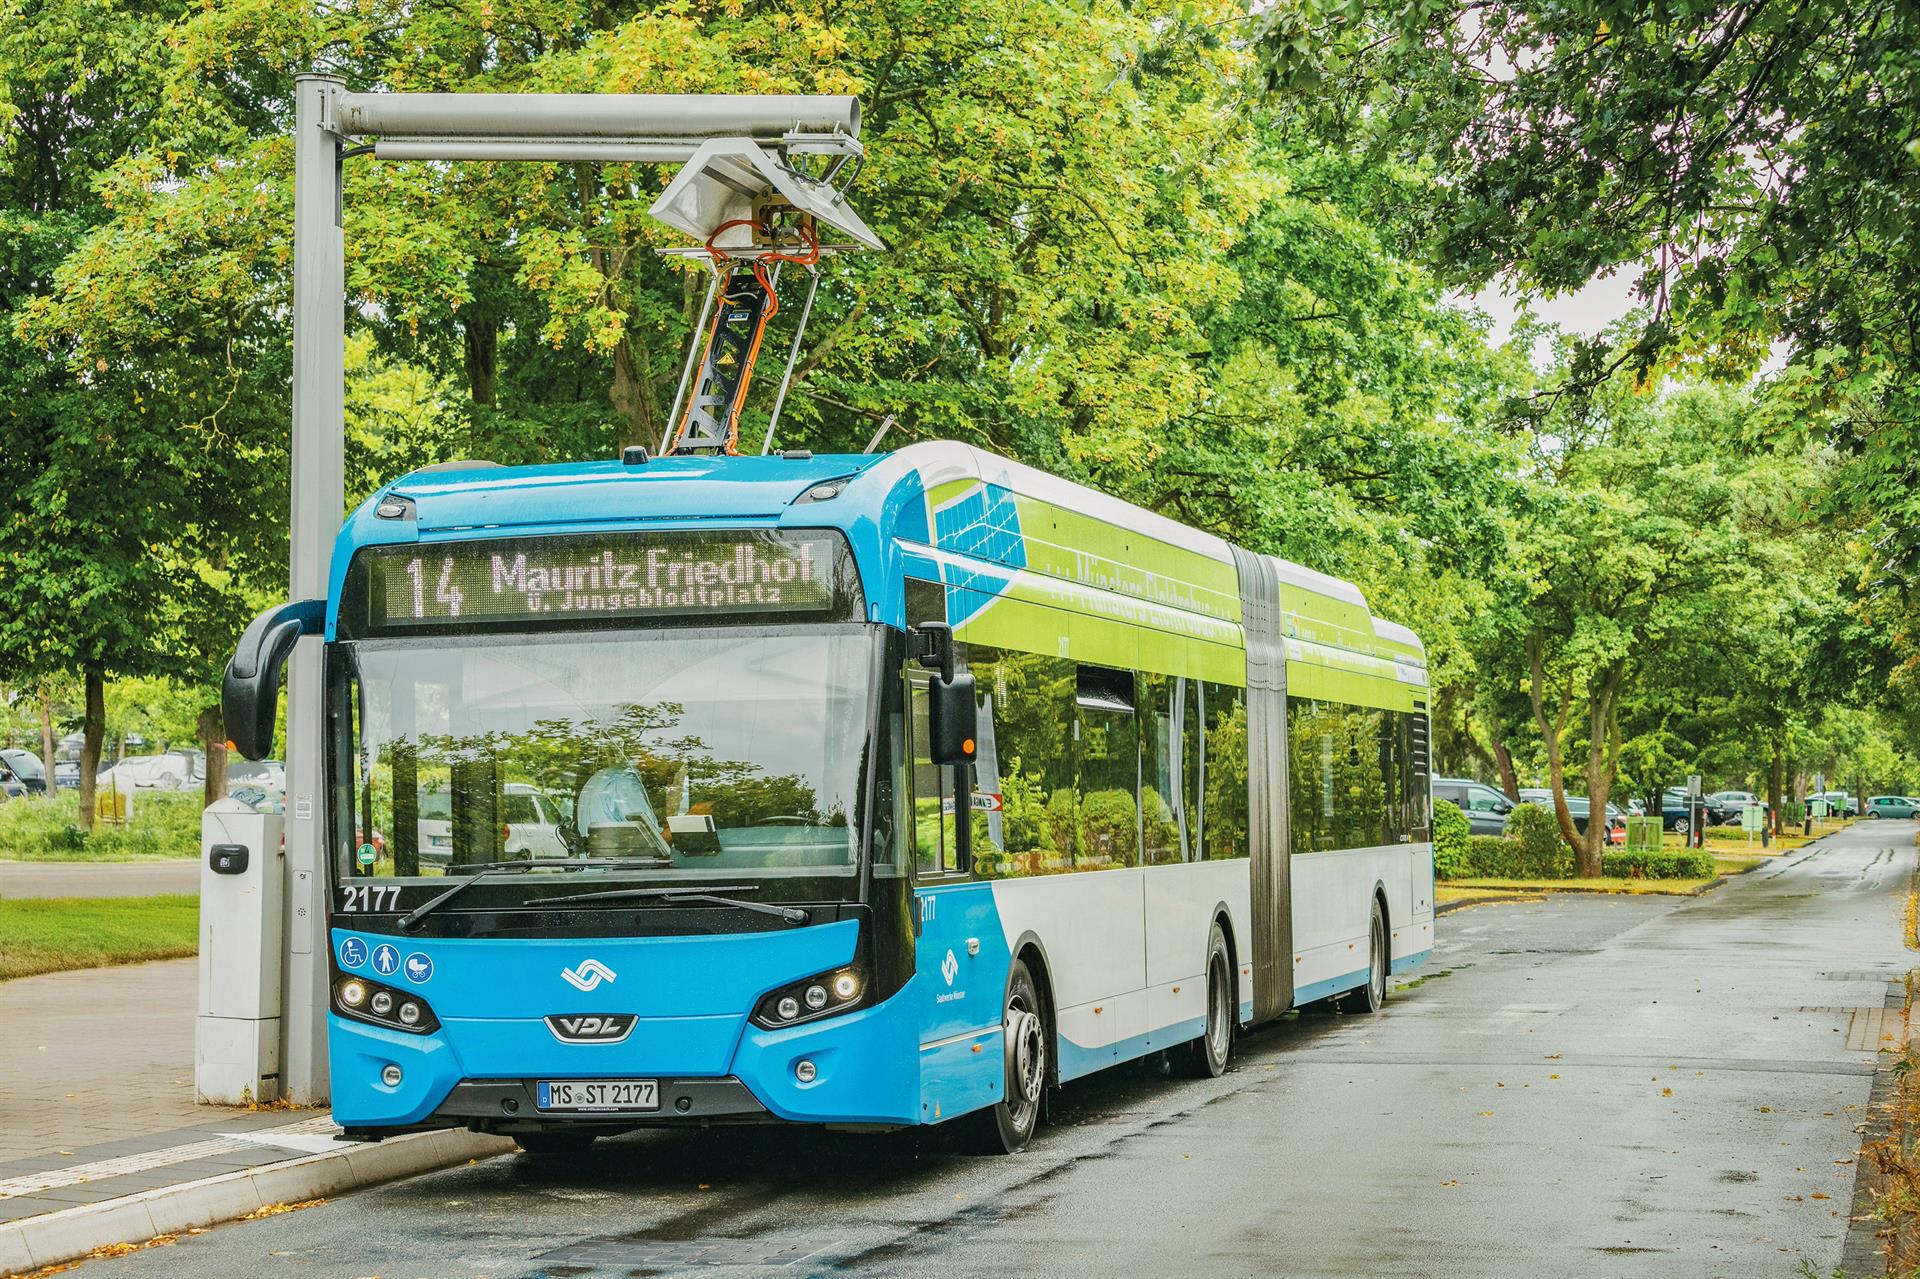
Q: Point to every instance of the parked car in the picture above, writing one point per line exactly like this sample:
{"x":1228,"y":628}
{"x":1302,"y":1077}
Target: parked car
{"x":1839,"y":802}
{"x":259,"y":798}
{"x":1581,"y":810}
{"x":1676,"y":811}
{"x":26,"y":769}
{"x":1735,"y":802}
{"x":1485,"y":807}
{"x":1898,"y":806}
{"x":66,"y":775}
{"x":169,"y":771}
{"x":531,"y":818}
{"x":268,"y":773}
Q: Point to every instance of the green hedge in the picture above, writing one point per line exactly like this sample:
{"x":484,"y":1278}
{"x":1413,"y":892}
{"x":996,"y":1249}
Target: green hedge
{"x":1542,"y":852}
{"x":165,"y":824}
{"x":1497,"y":857}
{"x":1648,"y":864}
{"x":1451,"y":833}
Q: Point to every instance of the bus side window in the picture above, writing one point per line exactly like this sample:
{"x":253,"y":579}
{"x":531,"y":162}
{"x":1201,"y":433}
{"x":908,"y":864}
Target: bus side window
{"x":1108,"y":756}
{"x":1393,"y":813}
{"x":1225,"y":798}
{"x":1162,"y":788}
{"x":933,"y":831}
{"x":1194,"y":766}
{"x":1025,"y":809}
{"x":889,"y":756}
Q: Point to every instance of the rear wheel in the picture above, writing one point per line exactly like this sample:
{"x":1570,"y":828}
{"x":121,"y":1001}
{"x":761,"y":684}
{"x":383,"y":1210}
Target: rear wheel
{"x":1681,"y":825}
{"x":1006,"y":1127}
{"x":555,"y":1142}
{"x":1370,"y":997}
{"x":1206,"y":1057}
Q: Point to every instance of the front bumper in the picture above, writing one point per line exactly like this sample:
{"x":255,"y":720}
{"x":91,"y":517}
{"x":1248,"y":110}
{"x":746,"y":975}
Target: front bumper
{"x":865,"y":1071}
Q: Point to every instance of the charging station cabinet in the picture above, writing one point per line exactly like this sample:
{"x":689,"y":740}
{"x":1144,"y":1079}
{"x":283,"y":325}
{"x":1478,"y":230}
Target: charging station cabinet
{"x":236,"y":1051}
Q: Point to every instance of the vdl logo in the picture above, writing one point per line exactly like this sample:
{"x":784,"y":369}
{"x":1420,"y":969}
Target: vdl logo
{"x":592,"y":1028}
{"x":588,"y":976}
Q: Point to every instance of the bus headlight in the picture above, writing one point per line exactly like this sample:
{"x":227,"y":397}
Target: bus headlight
{"x":379,"y":1005}
{"x":822,"y":995}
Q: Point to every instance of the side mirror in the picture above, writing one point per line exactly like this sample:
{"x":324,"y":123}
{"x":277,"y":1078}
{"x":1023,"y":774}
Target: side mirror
{"x":1502,"y":807}
{"x":952,"y":719}
{"x":250,"y":690}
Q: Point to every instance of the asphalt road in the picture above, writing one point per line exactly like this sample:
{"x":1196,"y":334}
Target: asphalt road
{"x":99,"y":879}
{"x":1580,"y":1086}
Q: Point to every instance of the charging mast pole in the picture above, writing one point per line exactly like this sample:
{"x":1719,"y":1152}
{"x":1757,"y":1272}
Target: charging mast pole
{"x":738,"y":153}
{"x":319,"y":501}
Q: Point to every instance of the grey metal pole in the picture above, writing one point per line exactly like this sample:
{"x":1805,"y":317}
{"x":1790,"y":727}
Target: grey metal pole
{"x":793,"y":354}
{"x":765,"y":117}
{"x":693,"y":353}
{"x":319,"y":498}
{"x":549,"y":149}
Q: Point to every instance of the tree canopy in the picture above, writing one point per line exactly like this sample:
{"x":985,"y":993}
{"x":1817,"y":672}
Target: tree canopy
{"x":1208,"y":259}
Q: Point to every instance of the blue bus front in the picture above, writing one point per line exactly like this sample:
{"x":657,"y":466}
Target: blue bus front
{"x":613,"y":834}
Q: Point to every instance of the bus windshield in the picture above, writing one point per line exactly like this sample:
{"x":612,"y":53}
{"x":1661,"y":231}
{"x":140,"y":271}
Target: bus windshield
{"x":732,"y":751}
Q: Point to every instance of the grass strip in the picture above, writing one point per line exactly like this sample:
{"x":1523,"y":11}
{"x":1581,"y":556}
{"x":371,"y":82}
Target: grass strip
{"x":58,"y":934}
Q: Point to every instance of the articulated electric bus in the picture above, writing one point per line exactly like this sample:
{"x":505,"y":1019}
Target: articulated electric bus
{"x":867,"y":791}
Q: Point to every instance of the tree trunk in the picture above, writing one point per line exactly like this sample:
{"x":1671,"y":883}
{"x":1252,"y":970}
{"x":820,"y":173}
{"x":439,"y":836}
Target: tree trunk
{"x":481,"y":335}
{"x":213,"y":740}
{"x":1776,"y":783}
{"x":1503,"y":760}
{"x":46,"y":737}
{"x":1603,"y":758}
{"x":632,"y":394}
{"x":93,"y":728}
{"x":1550,"y":733}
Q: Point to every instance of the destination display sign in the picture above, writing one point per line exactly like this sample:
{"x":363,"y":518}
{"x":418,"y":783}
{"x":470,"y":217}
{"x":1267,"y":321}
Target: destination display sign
{"x":573,"y":579}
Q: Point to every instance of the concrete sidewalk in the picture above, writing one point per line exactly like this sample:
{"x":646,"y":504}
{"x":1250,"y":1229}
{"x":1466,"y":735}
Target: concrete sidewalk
{"x":99,"y":879}
{"x":101,"y":1141}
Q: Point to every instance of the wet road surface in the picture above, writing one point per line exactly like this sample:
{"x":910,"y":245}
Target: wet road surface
{"x":1587,"y":1085}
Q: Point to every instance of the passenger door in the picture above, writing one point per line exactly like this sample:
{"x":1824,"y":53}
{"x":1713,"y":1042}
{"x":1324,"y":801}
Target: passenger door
{"x":960,"y":954}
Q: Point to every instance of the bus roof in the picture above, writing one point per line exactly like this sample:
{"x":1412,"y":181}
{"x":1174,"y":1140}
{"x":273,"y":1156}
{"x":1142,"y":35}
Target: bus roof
{"x":946,"y":495}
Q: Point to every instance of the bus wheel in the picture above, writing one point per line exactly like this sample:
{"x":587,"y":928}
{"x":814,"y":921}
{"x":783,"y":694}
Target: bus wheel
{"x":1206,"y":1057}
{"x":553,"y":1142}
{"x":1005,"y":1127}
{"x":1369,"y":998}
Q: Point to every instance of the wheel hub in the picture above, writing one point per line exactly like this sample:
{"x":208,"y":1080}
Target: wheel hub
{"x":1026,"y":1055}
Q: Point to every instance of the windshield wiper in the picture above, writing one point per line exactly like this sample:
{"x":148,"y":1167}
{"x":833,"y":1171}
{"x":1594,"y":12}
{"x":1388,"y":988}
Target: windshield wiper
{"x":413,"y":917}
{"x":687,"y":893}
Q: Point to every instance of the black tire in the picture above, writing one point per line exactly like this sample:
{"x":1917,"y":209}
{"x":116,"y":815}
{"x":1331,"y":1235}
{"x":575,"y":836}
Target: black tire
{"x":555,"y":1142}
{"x":1370,"y":997}
{"x":1207,"y":1056}
{"x":1682,"y":826}
{"x":1006,"y":1127}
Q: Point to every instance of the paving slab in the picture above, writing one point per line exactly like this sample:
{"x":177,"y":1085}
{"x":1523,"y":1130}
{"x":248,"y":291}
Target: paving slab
{"x":103,"y":1054}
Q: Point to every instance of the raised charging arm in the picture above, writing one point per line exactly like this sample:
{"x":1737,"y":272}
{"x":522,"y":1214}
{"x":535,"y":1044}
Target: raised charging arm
{"x":250,"y":690}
